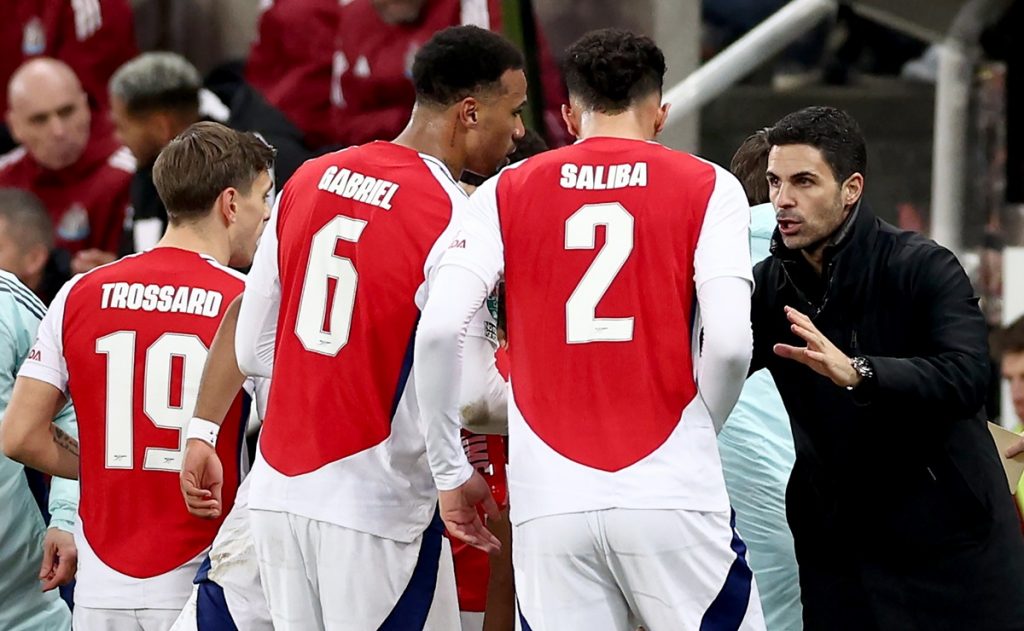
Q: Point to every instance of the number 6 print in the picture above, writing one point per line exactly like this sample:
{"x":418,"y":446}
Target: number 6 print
{"x":321,"y":327}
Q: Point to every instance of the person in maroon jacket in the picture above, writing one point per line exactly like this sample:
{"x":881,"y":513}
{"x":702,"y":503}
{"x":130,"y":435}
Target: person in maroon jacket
{"x":94,"y":37}
{"x":294,"y":72}
{"x":371,"y":90}
{"x":362,"y":91}
{"x":69,"y":158}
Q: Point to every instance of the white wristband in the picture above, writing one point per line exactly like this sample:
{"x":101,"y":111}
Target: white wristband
{"x":203,"y":430}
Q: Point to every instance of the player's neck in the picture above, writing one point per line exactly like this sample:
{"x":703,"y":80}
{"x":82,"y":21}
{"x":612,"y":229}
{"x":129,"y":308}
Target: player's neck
{"x":624,"y":125}
{"x":197,"y":237}
{"x":434,"y":135}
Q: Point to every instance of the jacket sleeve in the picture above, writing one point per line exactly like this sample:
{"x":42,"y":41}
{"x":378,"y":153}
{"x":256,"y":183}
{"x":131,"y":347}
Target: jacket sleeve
{"x":951,"y":376}
{"x":64,"y":493}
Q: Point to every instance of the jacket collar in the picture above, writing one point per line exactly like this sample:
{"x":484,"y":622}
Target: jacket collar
{"x":845,"y":261}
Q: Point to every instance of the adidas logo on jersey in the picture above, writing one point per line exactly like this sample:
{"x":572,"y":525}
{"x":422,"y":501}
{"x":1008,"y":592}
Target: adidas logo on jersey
{"x":162,"y":298}
{"x":358,"y":187}
{"x":602,"y":178}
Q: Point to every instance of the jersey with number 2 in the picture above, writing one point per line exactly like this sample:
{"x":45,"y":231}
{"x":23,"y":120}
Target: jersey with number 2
{"x":603,"y":246}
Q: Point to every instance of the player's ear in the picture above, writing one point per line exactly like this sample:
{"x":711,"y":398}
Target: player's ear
{"x":661,"y":118}
{"x":569,"y":116}
{"x":164,"y":125}
{"x":469,"y":112}
{"x":35,"y":259}
{"x":227,"y":205}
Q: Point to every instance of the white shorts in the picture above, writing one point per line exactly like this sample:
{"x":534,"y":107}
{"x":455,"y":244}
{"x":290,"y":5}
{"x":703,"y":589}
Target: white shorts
{"x":318,"y":575}
{"x":92,"y":619}
{"x":227,"y":592}
{"x":618,"y":569}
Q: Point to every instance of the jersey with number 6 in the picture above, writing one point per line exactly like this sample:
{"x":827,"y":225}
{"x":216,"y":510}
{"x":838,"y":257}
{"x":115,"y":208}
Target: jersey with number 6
{"x":346,"y":257}
{"x":127,"y":343}
{"x":603,"y":246}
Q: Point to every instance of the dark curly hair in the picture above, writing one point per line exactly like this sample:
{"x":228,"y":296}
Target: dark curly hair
{"x":460,"y":61}
{"x":831,"y":131}
{"x":610,"y":69}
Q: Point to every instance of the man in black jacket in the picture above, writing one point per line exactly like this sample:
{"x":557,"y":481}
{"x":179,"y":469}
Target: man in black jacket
{"x":158,"y":95}
{"x":898,"y":504}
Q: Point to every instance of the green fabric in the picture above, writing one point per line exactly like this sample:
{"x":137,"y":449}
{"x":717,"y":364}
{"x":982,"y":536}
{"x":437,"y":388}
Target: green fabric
{"x":24,"y":607}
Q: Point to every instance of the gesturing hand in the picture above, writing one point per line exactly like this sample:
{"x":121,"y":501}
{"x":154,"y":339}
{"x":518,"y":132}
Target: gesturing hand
{"x":202,"y":477}
{"x":820,"y":355}
{"x":460,"y":517}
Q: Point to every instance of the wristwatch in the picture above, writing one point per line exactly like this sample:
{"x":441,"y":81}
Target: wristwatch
{"x":862,"y":366}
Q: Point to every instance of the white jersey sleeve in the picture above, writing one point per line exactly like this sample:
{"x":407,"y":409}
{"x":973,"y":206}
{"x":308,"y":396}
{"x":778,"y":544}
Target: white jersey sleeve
{"x":454,"y":368}
{"x":46,"y":362}
{"x":256,"y":333}
{"x":455,"y":298}
{"x":723,"y":247}
{"x":477,"y":244}
{"x":724,"y":277}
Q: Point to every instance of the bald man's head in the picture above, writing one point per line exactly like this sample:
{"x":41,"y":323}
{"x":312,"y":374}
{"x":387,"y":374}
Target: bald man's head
{"x":48,"y":112}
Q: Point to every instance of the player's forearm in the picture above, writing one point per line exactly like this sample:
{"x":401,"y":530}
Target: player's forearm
{"x":28,"y":434}
{"x":48,"y":449}
{"x":455,"y":296}
{"x":221,"y":377}
{"x":725,"y":353}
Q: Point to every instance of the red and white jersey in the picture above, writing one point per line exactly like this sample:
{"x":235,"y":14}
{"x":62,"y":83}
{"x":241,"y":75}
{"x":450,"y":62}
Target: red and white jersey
{"x":127,"y":343}
{"x":336,"y":287}
{"x":603,"y":246}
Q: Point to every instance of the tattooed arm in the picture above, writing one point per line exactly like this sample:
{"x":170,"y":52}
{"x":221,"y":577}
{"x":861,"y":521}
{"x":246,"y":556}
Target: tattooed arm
{"x":28,"y":435}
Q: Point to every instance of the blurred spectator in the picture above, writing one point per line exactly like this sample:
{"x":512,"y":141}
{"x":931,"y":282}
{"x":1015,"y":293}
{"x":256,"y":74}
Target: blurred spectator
{"x":155,"y":97}
{"x":69,"y":158}
{"x":1009,"y":345}
{"x":94,"y":37}
{"x":294,"y":73}
{"x":371,"y":91}
{"x":26,"y":244}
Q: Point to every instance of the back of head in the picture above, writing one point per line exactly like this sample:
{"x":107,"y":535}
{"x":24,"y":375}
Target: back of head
{"x":831,"y":131}
{"x":202,"y":162}
{"x":611,"y":69}
{"x":461,"y":61}
{"x":749,"y":165}
{"x":1009,"y":340}
{"x":24,"y":218}
{"x":159,"y":81}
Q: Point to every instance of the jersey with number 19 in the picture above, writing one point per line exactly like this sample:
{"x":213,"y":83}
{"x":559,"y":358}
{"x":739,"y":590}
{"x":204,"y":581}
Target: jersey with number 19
{"x":603,"y":245}
{"x":347,"y":254}
{"x":127,"y":343}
